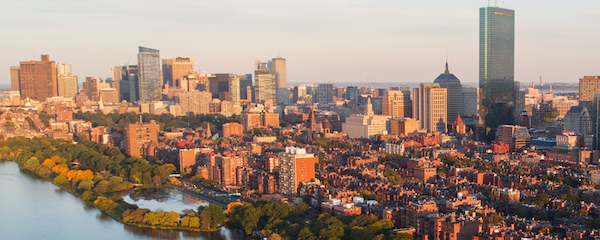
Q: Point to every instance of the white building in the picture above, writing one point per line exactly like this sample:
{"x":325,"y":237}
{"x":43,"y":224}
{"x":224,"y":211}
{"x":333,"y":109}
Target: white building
{"x":366,"y":126}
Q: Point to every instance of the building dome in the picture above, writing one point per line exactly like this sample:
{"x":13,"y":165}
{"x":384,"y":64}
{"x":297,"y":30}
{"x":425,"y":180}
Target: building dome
{"x":454,"y":98}
{"x":446,"y":78}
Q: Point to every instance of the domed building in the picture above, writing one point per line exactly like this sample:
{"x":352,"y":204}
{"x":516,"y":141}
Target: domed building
{"x":455,"y":96}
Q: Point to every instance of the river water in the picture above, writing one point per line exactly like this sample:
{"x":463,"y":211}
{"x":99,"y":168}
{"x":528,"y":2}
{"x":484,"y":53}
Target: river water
{"x":32,"y":208}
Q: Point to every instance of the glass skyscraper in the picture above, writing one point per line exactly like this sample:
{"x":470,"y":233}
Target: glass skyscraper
{"x":496,"y":68}
{"x":149,"y":81}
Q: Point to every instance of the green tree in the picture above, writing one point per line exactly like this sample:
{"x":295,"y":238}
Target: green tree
{"x":306,"y":234}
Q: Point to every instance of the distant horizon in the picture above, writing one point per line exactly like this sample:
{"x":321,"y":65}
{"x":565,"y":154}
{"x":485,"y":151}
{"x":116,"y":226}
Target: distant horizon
{"x":341,"y":41}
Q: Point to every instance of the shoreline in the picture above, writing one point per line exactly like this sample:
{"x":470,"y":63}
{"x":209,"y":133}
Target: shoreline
{"x":114,"y":216}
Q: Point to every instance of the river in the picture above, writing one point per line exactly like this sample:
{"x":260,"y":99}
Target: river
{"x":32,"y":208}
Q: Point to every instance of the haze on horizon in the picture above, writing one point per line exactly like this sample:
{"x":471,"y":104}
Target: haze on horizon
{"x":326,"y":40}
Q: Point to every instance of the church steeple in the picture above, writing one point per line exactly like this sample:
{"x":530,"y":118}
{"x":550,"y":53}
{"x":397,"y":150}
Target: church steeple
{"x":208,"y":133}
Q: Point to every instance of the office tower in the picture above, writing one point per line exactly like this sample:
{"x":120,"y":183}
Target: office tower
{"x":352,"y":94}
{"x":117,"y":77}
{"x":516,"y":137}
{"x":324,"y":93}
{"x":109,"y":95}
{"x":366,"y":125}
{"x":278,"y":67}
{"x":454,"y":98}
{"x":496,"y":67}
{"x":298,"y":93}
{"x":128,"y":85}
{"x":245,"y":82}
{"x":195,"y":102}
{"x":15,"y":77}
{"x":430,"y":107}
{"x":404,"y":126}
{"x":38,"y":79}
{"x":92,"y":88}
{"x":225,"y":86}
{"x":265,"y":88}
{"x":470,"y":100}
{"x":588,"y":85}
{"x":149,"y":78}
{"x":176,"y":68}
{"x":138,"y":136}
{"x":66,"y":80}
{"x":295,"y":167}
{"x":396,"y":103}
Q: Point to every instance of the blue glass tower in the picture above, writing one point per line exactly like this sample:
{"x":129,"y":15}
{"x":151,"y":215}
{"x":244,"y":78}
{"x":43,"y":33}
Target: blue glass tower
{"x":496,"y":68}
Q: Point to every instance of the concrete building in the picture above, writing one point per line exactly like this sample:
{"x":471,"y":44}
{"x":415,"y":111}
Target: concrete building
{"x":578,"y":120}
{"x":470,"y":101}
{"x":430,"y":107}
{"x":176,"y":68}
{"x":352,"y":94}
{"x":295,"y":167}
{"x":187,"y":159}
{"x":139,"y":136}
{"x":396,"y":103}
{"x":228,"y":166}
{"x":588,"y":85}
{"x":324,"y":93}
{"x":225,"y":86}
{"x":150,"y":77}
{"x":278,"y":66}
{"x":38,"y":79}
{"x":66,"y":81}
{"x":92,"y":88}
{"x":109,"y":95}
{"x":404,"y":126}
{"x":232,"y":128}
{"x":195,"y":102}
{"x":367,"y":125}
{"x":454,"y":96}
{"x":516,"y":137}
{"x":15,"y":78}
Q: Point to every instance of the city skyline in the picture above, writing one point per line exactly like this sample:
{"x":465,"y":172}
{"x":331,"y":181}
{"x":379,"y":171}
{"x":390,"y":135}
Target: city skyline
{"x":329,"y":41}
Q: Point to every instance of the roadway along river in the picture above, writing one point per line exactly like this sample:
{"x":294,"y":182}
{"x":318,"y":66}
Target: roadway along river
{"x":32,"y":208}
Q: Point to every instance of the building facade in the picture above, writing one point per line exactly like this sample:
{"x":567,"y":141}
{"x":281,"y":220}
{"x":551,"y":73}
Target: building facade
{"x":139,"y":136}
{"x":176,"y":68}
{"x":396,"y":103}
{"x":149,"y":79}
{"x":454,"y":96}
{"x":496,"y":68}
{"x":295,"y":167}
{"x":38,"y":79}
{"x":367,"y":125}
{"x":266,"y":89}
{"x":430,"y":107}
{"x":15,"y":78}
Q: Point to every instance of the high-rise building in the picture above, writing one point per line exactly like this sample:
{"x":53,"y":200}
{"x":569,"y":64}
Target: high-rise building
{"x":38,"y":79}
{"x":352,"y":94}
{"x":245,"y":82}
{"x":15,"y":77}
{"x":138,"y":136}
{"x":128,"y":84}
{"x":454,"y":98}
{"x":117,"y":77}
{"x":92,"y":88}
{"x":66,"y":80}
{"x":588,"y":85}
{"x":228,"y":166}
{"x":149,"y":79}
{"x":470,"y":100}
{"x":266,"y":88}
{"x":496,"y":68}
{"x":578,"y":120}
{"x":176,"y":68}
{"x":187,"y":159}
{"x":295,"y":167}
{"x":396,"y":103}
{"x":225,"y":86}
{"x":278,"y":67}
{"x":324,"y":93}
{"x":430,"y":107}
{"x":516,"y":137}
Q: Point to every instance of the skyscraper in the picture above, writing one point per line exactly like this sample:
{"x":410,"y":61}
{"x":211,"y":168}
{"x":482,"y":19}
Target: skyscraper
{"x":38,"y":79}
{"x":15,"y":77}
{"x":279,"y":68}
{"x":454,"y":99}
{"x":430,"y":107}
{"x":295,"y":166}
{"x":496,"y":67}
{"x":66,"y":80}
{"x":176,"y":68}
{"x":265,"y":85}
{"x":396,"y":103}
{"x":149,"y":79}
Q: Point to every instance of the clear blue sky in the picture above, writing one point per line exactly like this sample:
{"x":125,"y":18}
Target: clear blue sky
{"x":322,"y":40}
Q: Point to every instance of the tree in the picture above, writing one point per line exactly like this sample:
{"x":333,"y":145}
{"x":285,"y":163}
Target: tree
{"x":494,"y":219}
{"x":250,"y":218}
{"x":334,"y":228}
{"x":306,"y":234}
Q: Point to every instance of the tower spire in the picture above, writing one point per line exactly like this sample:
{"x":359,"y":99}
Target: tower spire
{"x":369,"y":111}
{"x":447,"y":71}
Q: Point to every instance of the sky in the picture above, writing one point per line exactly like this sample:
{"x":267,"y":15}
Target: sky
{"x":333,"y":41}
